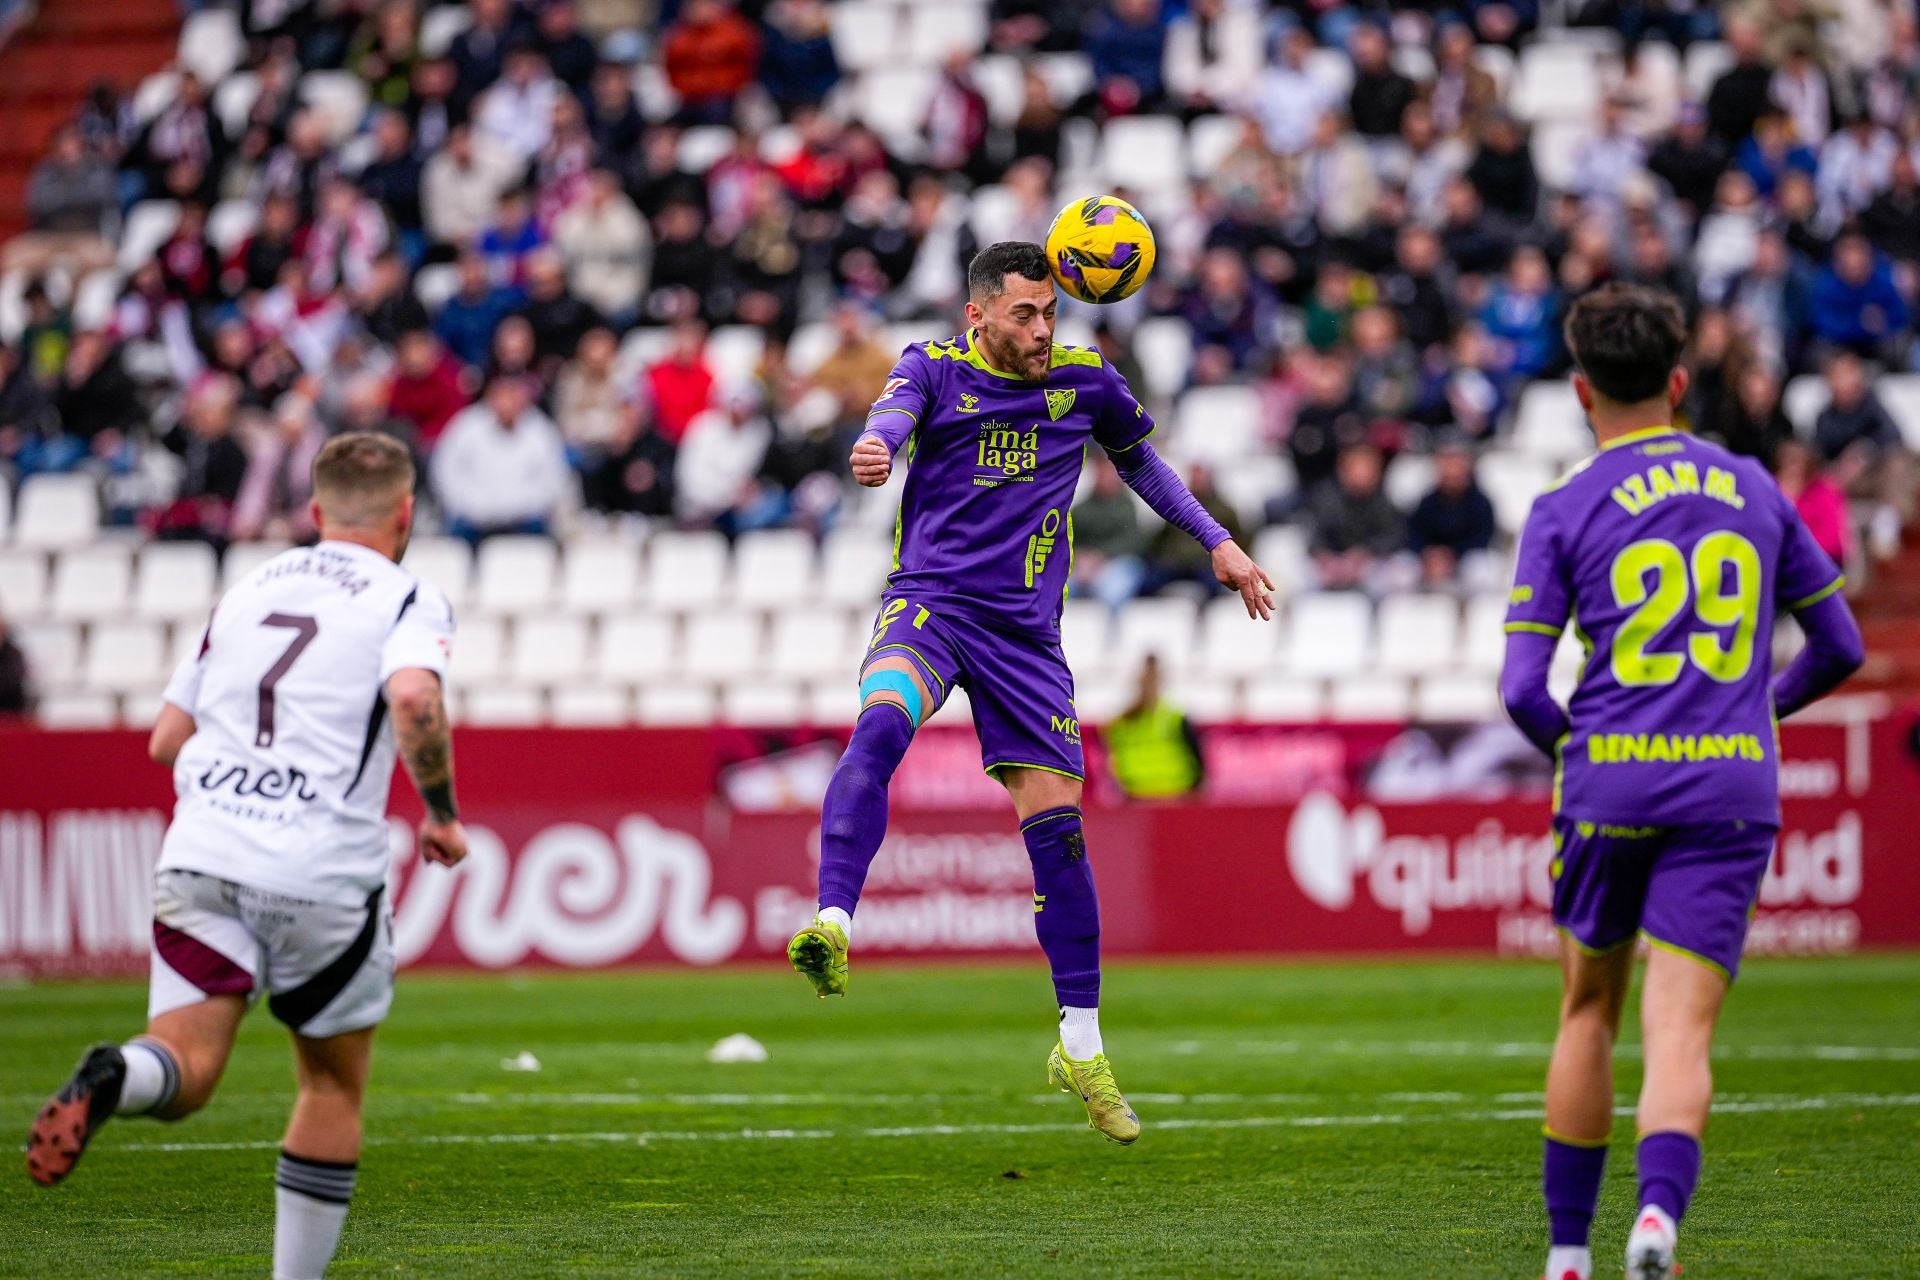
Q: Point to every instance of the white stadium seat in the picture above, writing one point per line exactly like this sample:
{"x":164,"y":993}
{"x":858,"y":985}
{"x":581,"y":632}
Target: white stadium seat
{"x":1568,"y":657}
{"x":175,"y":580}
{"x":939,"y":28}
{"x":1549,"y":423}
{"x":1219,"y":425}
{"x":1162,"y":627}
{"x":92,"y":582}
{"x":233,"y":100}
{"x":1144,"y":153}
{"x":865,"y":33}
{"x":516,"y":573}
{"x":123,"y":656}
{"x":1232,"y":644}
{"x":1251,"y":484}
{"x":762,"y":702}
{"x":704,"y":145}
{"x":591,"y":705}
{"x":211,"y":44}
{"x":1900,"y":393}
{"x":854,"y":565}
{"x":1418,"y":633}
{"x":23,"y":584}
{"x":1459,"y":697}
{"x":685,"y":570}
{"x":832,"y":703}
{"x":1408,"y":479}
{"x":1001,"y":81}
{"x":56,"y":511}
{"x":734,"y":351}
{"x":1803,"y":399}
{"x":141,"y":708}
{"x":635,"y":648}
{"x":1512,"y":481}
{"x":434,"y":283}
{"x":243,"y":558}
{"x":154,"y":95}
{"x":53,"y":653}
{"x":893,"y":101}
{"x":1497,"y":61}
{"x":773,"y":567}
{"x":811,"y":345}
{"x":1707,"y":61}
{"x":6,"y":511}
{"x":147,"y":227}
{"x":1281,"y":550}
{"x":479,"y":651}
{"x":814,"y":643}
{"x":1555,"y":148}
{"x":1329,"y":634}
{"x":1086,"y":631}
{"x":1210,"y":140}
{"x":1283,"y":700}
{"x":680,"y":704}
{"x":600,"y":575}
{"x":1557,"y":80}
{"x":1369,"y":698}
{"x":439,"y":26}
{"x":446,"y":563}
{"x":340,"y":97}
{"x":1483,"y":644}
{"x":1164,"y":347}
{"x":722,"y":646}
{"x":503,"y":705}
{"x":86,"y":709}
{"x":94,"y":299}
{"x":1206,"y":699}
{"x":548,"y":650}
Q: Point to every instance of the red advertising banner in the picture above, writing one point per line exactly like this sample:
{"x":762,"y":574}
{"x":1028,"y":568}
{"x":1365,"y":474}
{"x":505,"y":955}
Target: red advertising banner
{"x":698,"y":847}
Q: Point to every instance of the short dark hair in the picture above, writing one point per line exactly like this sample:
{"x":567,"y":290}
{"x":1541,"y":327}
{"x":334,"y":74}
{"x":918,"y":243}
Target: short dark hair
{"x":1627,"y":339}
{"x":987,"y":273}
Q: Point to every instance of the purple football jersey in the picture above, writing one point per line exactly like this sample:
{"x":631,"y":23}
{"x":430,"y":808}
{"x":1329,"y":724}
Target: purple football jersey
{"x":986,"y":531}
{"x":1670,"y":557}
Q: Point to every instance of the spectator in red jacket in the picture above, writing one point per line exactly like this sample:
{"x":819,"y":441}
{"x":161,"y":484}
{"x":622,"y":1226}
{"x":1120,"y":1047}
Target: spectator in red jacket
{"x":681,"y":385}
{"x":710,"y":54}
{"x":428,"y":386}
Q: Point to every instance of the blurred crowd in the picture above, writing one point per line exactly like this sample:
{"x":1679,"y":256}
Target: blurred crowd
{"x":1384,"y":263}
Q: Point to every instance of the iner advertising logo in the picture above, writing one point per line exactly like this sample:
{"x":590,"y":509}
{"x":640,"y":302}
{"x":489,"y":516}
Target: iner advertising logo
{"x":573,"y":896}
{"x":1332,"y":853}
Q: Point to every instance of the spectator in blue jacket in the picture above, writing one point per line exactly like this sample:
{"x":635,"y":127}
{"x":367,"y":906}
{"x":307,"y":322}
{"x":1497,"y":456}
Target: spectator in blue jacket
{"x":1520,"y":315}
{"x":1856,"y":304}
{"x":1128,"y":45}
{"x":1771,"y":153}
{"x":467,"y":320}
{"x":797,"y":62}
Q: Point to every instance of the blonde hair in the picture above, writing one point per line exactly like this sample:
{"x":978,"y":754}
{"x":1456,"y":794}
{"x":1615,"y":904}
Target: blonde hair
{"x":361,"y":477}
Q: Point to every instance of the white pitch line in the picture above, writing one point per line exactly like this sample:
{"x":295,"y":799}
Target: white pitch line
{"x":641,"y":1138}
{"x":1541,"y":1049}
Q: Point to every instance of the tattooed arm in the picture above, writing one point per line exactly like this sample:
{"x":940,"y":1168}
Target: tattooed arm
{"x":420,"y":728}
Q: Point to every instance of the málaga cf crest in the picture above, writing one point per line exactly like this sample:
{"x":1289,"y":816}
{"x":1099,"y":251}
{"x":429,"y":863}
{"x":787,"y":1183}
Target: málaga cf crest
{"x":1058,"y":403}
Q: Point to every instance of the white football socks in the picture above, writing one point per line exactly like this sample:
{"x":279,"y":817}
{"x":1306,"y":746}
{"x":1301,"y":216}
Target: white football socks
{"x":152,"y":1077}
{"x":310,"y":1202}
{"x":1569,"y":1259}
{"x":1079,"y":1032}
{"x":836,"y":915}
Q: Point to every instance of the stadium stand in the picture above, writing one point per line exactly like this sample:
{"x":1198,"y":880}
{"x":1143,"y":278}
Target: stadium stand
{"x":321,"y":217}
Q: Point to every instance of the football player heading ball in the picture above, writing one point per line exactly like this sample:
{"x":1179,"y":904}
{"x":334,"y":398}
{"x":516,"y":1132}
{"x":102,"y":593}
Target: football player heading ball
{"x":996,"y":421}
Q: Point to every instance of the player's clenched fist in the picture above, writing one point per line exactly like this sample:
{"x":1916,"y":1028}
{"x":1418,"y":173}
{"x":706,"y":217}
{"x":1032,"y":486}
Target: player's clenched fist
{"x":442,"y":842}
{"x":872,"y":461}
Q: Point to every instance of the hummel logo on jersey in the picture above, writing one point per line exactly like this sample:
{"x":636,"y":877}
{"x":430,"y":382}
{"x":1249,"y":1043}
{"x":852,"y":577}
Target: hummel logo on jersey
{"x":968,"y":402}
{"x":1059,"y":403}
{"x":893,"y":385}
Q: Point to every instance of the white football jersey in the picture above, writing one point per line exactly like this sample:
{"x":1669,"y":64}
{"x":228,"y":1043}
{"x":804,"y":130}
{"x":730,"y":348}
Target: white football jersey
{"x":283,"y":785}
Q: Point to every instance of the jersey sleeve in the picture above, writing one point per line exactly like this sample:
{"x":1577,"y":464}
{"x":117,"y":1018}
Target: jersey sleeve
{"x":1121,"y":422}
{"x":183,"y":690}
{"x":1806,"y":574}
{"x":1542,"y":596}
{"x":422,"y":636}
{"x":902,"y":403}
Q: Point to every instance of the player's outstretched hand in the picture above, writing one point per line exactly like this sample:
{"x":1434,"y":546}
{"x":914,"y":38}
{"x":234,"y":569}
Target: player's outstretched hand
{"x":1235,"y":569}
{"x":872,"y":461}
{"x":442,"y":842}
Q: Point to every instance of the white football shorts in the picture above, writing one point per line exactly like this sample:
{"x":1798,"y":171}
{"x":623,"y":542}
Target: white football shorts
{"x":325,"y":969}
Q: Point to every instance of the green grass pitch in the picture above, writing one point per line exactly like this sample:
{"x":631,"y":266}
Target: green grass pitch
{"x":1374,"y":1119}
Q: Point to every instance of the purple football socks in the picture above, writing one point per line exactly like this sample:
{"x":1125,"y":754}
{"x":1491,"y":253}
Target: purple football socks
{"x":1570,"y":1176}
{"x":853,"y":818}
{"x":1067,"y":913}
{"x":1669,"y":1168}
